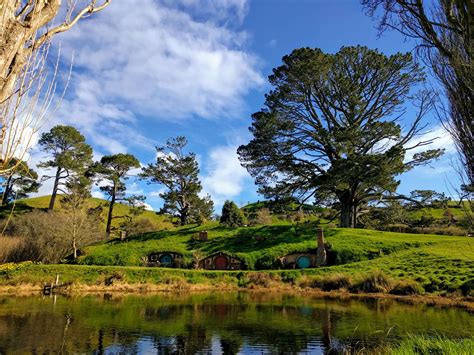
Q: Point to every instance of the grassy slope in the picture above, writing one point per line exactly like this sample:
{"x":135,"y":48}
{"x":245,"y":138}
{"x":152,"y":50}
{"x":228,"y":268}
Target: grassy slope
{"x":440,"y":263}
{"x":119,"y":209}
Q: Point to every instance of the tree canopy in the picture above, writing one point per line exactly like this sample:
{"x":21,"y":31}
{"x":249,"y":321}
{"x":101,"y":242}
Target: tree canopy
{"x":332,"y":125}
{"x":113,"y":169}
{"x":178,"y":173}
{"x":444,"y":30}
{"x":19,"y":182}
{"x":70,"y":156}
{"x":231,"y":215}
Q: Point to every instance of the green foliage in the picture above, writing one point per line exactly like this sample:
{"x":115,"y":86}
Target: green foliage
{"x":322,"y":128}
{"x":70,"y":156}
{"x":21,"y":181}
{"x":178,"y":173}
{"x":231,"y":215}
{"x":113,"y":169}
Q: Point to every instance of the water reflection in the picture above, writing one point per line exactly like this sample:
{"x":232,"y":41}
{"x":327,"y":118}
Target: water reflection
{"x":217,"y":323}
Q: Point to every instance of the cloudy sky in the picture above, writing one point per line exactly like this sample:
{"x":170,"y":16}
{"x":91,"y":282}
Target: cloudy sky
{"x":147,"y":70}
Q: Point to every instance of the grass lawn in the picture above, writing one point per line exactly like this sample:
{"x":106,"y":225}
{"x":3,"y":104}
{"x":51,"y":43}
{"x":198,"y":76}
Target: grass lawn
{"x":42,"y":203}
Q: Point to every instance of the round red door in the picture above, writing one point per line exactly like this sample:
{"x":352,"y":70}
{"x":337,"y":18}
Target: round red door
{"x":221,"y":263}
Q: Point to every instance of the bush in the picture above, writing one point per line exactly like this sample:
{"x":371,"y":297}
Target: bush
{"x":405,"y":288}
{"x":47,"y":235}
{"x":232,"y":216}
{"x":327,"y":282}
{"x":12,"y":249}
{"x":262,"y":217}
{"x":260,"y":279}
{"x":467,"y":288}
{"x":139,"y":227}
{"x":374,"y":282}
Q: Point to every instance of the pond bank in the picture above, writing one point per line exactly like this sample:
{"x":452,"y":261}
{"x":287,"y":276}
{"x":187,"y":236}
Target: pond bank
{"x":27,"y":278}
{"x":121,"y":288}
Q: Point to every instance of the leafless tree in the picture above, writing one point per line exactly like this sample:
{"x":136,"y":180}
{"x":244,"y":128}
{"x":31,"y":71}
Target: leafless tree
{"x":26,"y":25}
{"x":445,"y":31}
{"x":27,"y":87}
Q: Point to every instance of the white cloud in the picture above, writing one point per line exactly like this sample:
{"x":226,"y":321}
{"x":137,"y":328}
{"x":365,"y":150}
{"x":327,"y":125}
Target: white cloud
{"x":226,"y":177}
{"x":163,"y":59}
{"x":147,"y":206}
{"x":98,"y":194}
{"x":156,"y":194}
{"x":442,"y":140}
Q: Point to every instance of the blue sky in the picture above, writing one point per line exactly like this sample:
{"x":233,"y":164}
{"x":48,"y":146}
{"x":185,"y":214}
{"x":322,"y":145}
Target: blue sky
{"x":148,"y":70}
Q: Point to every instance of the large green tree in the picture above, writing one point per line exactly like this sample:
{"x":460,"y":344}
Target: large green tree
{"x":444,"y":30}
{"x":113,"y":170}
{"x":70,"y":155}
{"x":332,"y":126}
{"x":19,"y":182}
{"x":178,"y":173}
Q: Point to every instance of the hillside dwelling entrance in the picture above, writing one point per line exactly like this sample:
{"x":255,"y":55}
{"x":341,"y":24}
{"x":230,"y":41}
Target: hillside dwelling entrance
{"x":220,"y":261}
{"x":165,"y":259}
{"x":299,"y":261}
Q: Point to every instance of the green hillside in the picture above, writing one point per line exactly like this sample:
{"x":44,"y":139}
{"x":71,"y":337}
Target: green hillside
{"x":42,"y":202}
{"x":437,"y":262}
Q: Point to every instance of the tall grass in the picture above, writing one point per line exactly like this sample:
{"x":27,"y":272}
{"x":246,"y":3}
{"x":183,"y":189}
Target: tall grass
{"x":419,"y":344}
{"x":9,"y":248}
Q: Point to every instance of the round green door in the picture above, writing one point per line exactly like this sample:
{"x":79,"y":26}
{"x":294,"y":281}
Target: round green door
{"x":166,"y":260}
{"x":303,"y":262}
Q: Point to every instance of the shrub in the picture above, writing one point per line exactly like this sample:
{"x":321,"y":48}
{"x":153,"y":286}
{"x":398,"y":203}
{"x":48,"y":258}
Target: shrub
{"x":263,"y":216}
{"x":261,"y":279}
{"x":13,"y":249}
{"x":467,"y":288}
{"x":139,"y":227}
{"x":49,"y":237}
{"x":232,"y":216}
{"x":373,"y":282}
{"x":327,"y":282}
{"x":405,"y":288}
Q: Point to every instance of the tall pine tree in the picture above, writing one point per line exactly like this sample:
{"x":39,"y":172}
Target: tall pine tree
{"x":178,"y":173}
{"x":113,"y":170}
{"x":70,"y":155}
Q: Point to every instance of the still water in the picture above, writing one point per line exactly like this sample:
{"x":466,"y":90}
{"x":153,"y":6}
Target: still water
{"x":229,"y":323}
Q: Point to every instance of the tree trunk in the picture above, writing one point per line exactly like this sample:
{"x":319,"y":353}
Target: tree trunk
{"x":55,"y":189}
{"x":110,"y":214}
{"x":74,"y":247}
{"x":321,"y":257}
{"x":346,"y":220}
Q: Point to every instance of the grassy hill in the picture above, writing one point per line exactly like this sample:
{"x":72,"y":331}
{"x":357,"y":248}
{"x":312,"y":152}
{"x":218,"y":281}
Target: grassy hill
{"x":42,"y":202}
{"x":437,"y":262}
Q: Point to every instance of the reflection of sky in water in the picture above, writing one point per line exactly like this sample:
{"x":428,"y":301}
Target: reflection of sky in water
{"x":166,"y":345}
{"x":215,"y":323}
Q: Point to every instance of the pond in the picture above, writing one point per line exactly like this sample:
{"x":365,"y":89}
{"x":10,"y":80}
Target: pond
{"x":230,"y":323}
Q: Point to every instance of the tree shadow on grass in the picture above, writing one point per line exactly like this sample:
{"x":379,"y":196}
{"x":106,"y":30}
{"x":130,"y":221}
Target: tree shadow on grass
{"x":252,"y":239}
{"x":20,"y":208}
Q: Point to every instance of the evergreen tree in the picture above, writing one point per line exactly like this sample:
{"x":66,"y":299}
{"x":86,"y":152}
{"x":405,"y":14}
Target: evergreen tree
{"x":331,"y":127}
{"x":113,"y":169}
{"x":232,"y":215}
{"x":71,"y":157}
{"x":19,"y":182}
{"x":178,"y":173}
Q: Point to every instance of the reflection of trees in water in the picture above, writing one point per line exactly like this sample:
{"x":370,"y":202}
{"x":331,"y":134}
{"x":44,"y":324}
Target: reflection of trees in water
{"x":196,"y":323}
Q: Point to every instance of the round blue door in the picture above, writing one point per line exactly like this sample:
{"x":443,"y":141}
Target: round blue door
{"x":303,"y":262}
{"x":166,"y":260}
